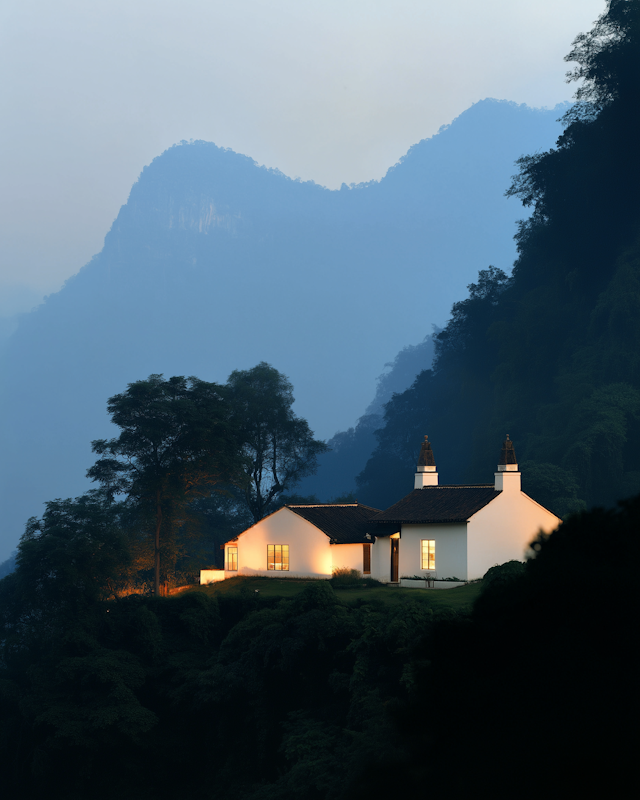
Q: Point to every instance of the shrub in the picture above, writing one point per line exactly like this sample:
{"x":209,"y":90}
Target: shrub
{"x":501,"y":574}
{"x":345,"y":578}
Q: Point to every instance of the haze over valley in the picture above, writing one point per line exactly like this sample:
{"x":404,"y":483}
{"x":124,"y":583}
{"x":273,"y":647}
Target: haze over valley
{"x":216,"y":264}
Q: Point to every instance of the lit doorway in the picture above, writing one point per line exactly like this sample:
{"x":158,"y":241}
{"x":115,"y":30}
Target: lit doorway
{"x":395,"y":559}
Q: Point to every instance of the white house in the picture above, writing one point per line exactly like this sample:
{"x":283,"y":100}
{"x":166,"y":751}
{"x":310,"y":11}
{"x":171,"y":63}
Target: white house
{"x":435,"y":531}
{"x":304,"y":541}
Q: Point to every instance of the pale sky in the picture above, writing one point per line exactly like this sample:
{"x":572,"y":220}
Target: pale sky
{"x":332,"y":90}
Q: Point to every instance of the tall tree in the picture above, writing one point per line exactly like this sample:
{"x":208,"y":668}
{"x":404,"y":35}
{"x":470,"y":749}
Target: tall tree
{"x":176,"y":442}
{"x":278,"y":446}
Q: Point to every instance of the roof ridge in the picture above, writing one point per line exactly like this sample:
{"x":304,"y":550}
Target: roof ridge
{"x":438,"y":504}
{"x":458,"y":486}
{"x":332,"y":505}
{"x":324,"y":505}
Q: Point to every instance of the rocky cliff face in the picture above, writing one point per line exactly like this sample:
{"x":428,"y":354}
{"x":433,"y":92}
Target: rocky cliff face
{"x":215,"y":264}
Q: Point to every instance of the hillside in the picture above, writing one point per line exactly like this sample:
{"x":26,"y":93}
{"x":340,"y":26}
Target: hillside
{"x":216,"y":264}
{"x":315,"y":692}
{"x":551,"y":354}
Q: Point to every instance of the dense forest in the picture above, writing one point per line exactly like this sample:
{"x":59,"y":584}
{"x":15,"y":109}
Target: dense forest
{"x":550,"y":354}
{"x":244,"y":694}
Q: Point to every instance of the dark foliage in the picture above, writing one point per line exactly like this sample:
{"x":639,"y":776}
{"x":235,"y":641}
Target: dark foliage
{"x":240,"y":695}
{"x":278,"y":448}
{"x":542,"y":680}
{"x":502,"y":574}
{"x":550,"y":355}
{"x":198,"y":463}
{"x":178,"y":440}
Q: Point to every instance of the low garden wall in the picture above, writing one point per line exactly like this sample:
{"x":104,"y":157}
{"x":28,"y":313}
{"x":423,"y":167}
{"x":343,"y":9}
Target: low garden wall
{"x":412,"y":583}
{"x":211,"y":576}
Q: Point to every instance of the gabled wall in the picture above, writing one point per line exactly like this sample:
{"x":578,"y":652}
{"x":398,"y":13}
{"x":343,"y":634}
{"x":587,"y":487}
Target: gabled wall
{"x":451,"y":550}
{"x":348,"y":556}
{"x":309,"y":549}
{"x":503,"y":530}
{"x":381,"y":559}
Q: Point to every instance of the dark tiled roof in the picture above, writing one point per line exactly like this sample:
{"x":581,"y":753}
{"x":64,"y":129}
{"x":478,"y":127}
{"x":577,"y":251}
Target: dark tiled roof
{"x":343,"y":524}
{"x":438,"y":504}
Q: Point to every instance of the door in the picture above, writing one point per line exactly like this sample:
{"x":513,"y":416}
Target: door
{"x":395,"y":558}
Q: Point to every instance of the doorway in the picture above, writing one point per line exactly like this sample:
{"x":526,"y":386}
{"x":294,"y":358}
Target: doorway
{"x":395,"y":559}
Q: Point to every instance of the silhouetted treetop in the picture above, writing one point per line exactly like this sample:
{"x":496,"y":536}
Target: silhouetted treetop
{"x":608,"y":56}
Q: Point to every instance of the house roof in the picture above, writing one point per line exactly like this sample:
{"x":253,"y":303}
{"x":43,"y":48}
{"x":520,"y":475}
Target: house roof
{"x":342,"y":523}
{"x":438,"y":504}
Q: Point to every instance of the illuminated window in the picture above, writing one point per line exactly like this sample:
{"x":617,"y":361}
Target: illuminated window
{"x":428,"y":554}
{"x":278,"y":556}
{"x":366,"y":559}
{"x":232,"y":558}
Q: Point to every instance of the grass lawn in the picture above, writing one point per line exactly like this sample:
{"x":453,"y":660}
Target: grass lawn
{"x":458,"y":598}
{"x":268,"y":587}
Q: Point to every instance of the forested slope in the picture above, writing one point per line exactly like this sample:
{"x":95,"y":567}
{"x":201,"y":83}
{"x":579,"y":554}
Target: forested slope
{"x":247,"y":695}
{"x":552,"y":354}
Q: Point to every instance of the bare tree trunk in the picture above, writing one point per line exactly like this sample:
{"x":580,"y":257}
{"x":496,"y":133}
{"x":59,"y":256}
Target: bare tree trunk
{"x":157,"y":543}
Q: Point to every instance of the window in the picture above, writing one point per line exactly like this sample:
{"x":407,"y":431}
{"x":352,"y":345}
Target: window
{"x":232,"y":558}
{"x":278,"y":556}
{"x":428,"y":554}
{"x":366,"y":559}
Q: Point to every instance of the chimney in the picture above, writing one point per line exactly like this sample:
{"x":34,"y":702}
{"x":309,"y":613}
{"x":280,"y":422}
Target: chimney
{"x":507,"y":476}
{"x":426,"y":474}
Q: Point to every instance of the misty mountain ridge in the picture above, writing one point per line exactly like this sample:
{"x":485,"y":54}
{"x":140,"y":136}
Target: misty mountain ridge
{"x":350,"y":450}
{"x":216,"y":264}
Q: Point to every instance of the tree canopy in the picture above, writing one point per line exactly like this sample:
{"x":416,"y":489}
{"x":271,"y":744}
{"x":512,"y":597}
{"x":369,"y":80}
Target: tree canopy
{"x":278,"y":447}
{"x":177,"y":442}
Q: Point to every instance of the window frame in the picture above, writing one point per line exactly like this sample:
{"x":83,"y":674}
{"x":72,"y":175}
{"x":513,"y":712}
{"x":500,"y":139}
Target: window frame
{"x":428,"y":557}
{"x":275,"y":565}
{"x":232,"y":550}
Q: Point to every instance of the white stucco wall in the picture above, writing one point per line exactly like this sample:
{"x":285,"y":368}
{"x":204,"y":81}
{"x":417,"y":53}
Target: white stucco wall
{"x":310,"y":553}
{"x":451,"y":550}
{"x":381,"y":559}
{"x":211,"y":576}
{"x":503,"y":529}
{"x":348,"y":556}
